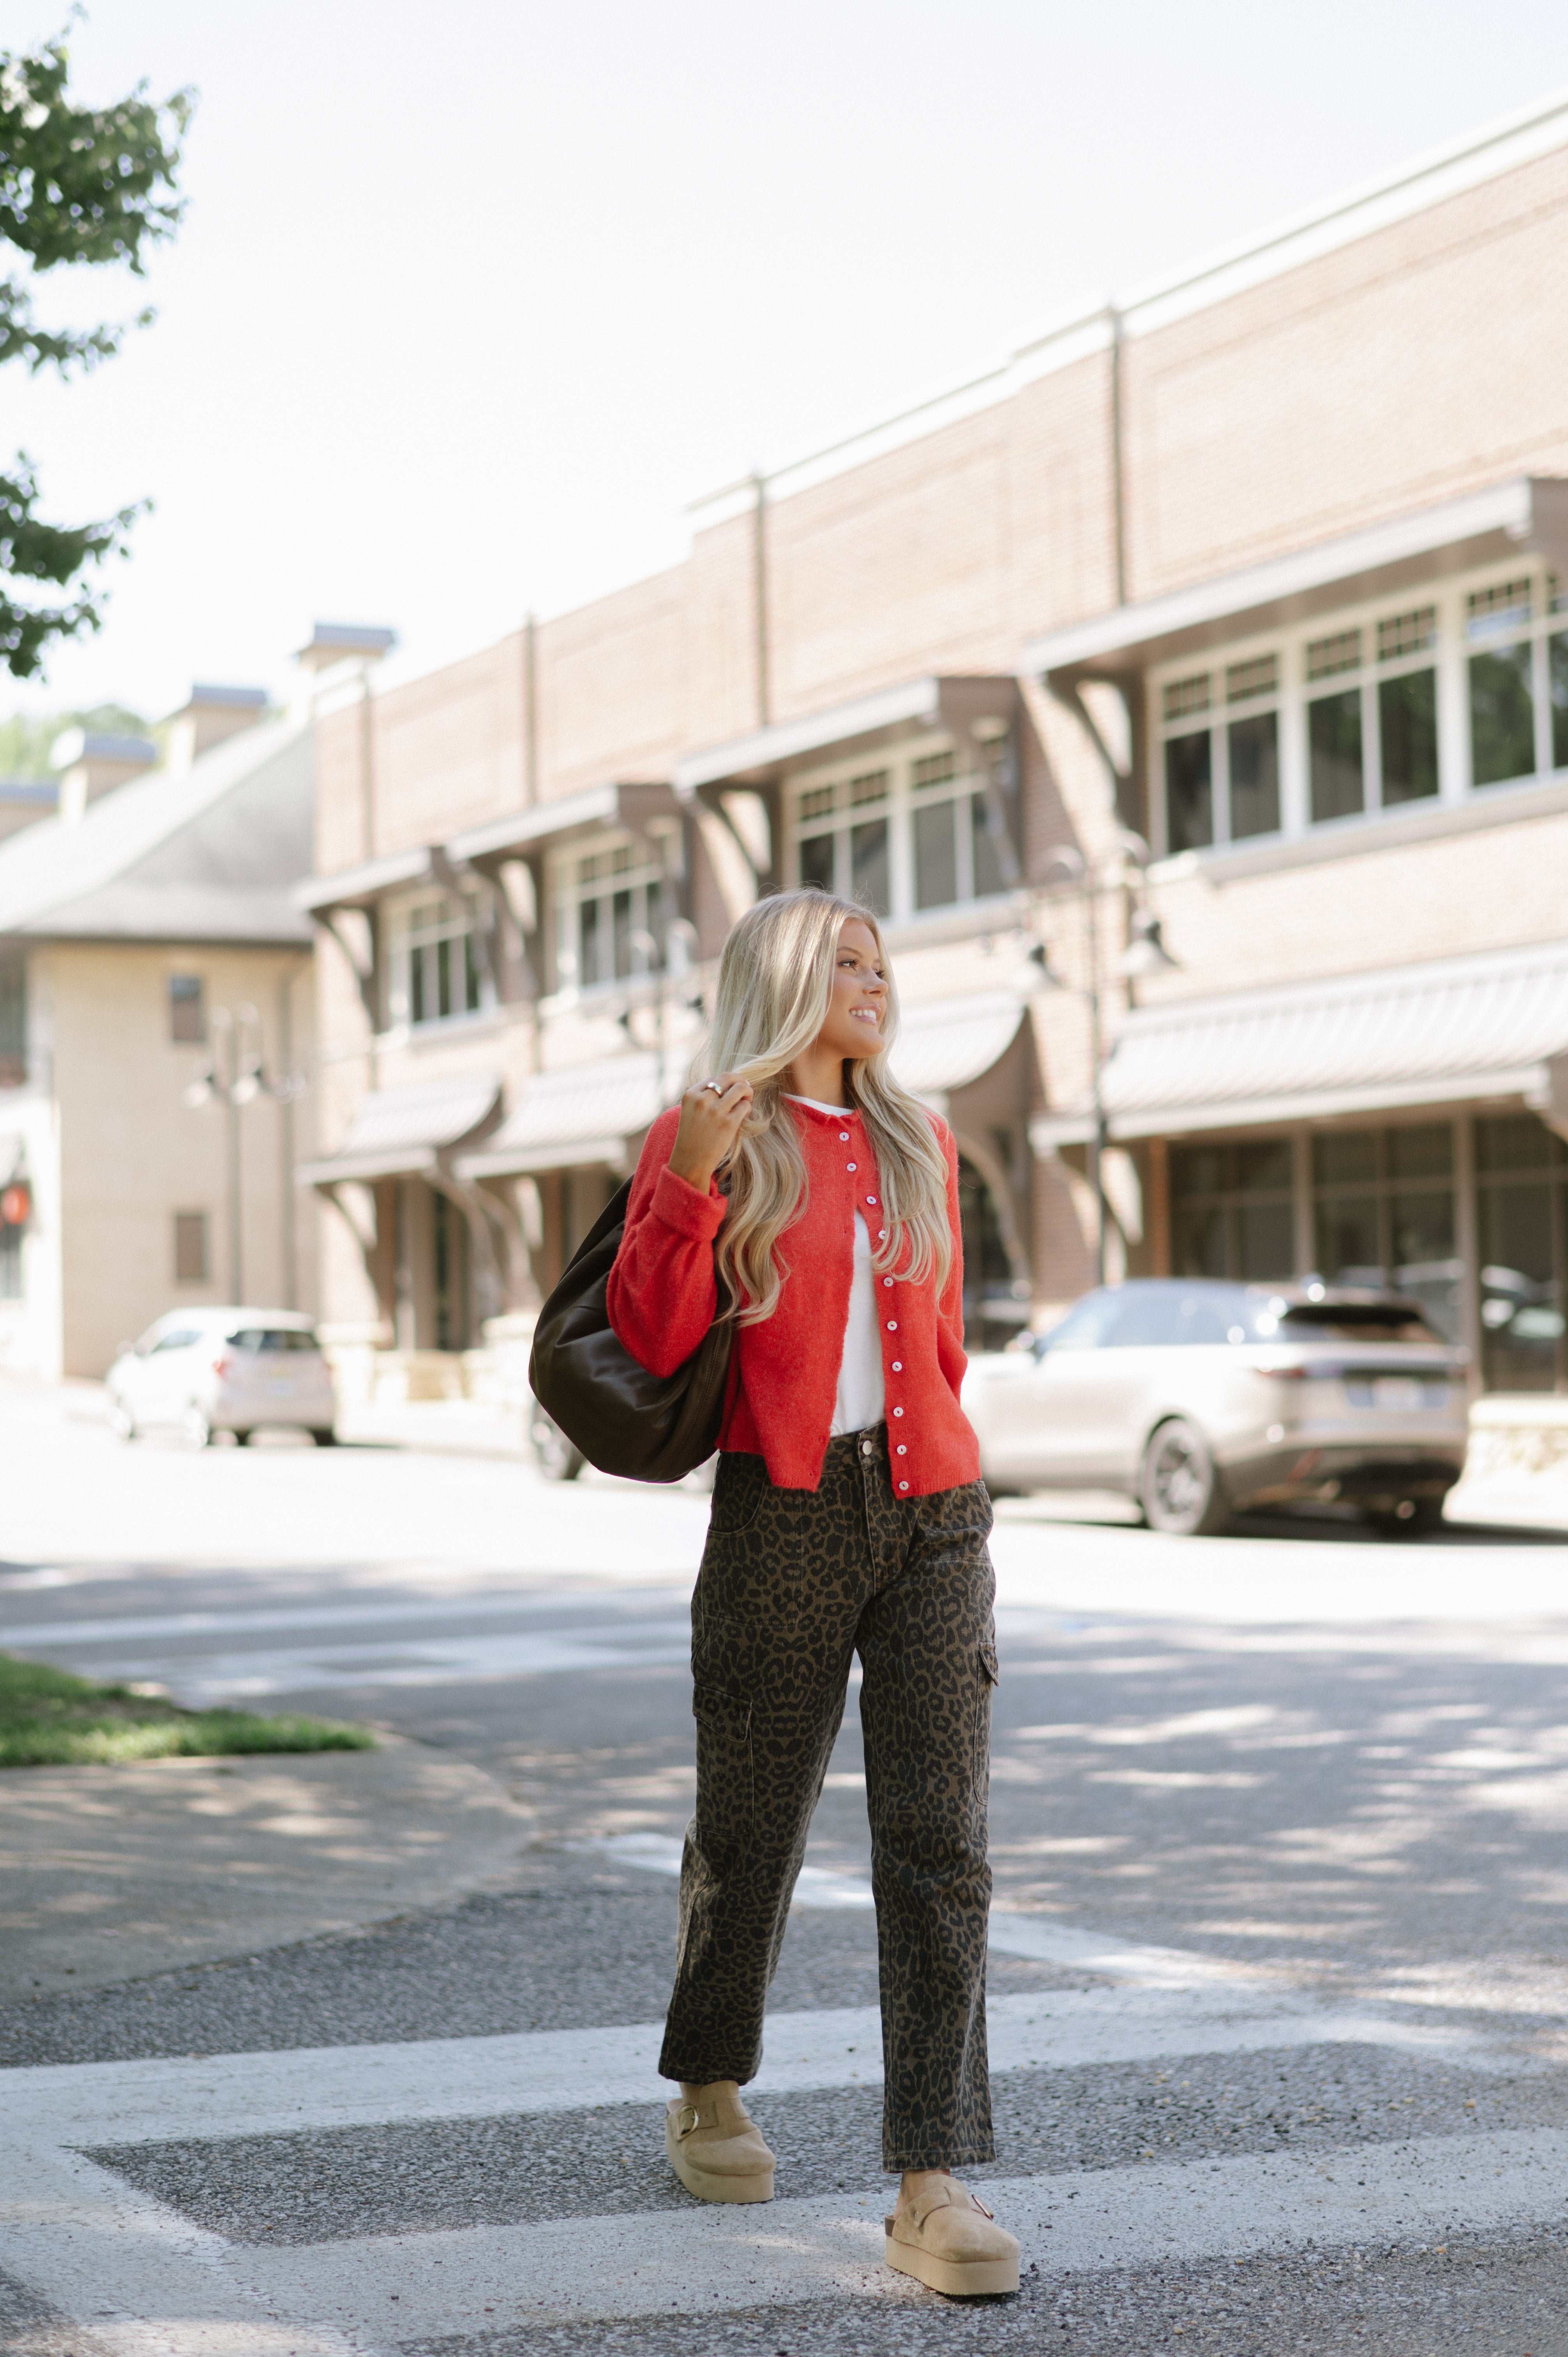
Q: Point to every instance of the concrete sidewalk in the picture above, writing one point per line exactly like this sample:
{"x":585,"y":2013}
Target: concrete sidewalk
{"x":112,"y":1873}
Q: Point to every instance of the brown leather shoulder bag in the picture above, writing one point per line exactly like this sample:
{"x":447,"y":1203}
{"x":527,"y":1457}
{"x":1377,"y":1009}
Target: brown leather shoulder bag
{"x":645,"y":1427}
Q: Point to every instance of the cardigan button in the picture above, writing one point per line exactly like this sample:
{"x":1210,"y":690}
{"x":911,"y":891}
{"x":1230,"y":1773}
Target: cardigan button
{"x":852,"y":1166}
{"x":893,"y":1325}
{"x":903,"y":1485}
{"x":898,"y":1366}
{"x":887,"y":1281}
{"x":871,"y":1198}
{"x":902,"y":1450}
{"x":844,"y":1137}
{"x":897,"y":1411}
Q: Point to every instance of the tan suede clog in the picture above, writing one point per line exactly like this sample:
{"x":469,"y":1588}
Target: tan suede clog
{"x":946,"y":2237}
{"x":716,"y":2149}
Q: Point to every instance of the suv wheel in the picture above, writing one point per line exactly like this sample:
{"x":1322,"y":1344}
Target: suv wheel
{"x":558,"y":1458}
{"x":1179,"y":1488}
{"x":196,"y":1427}
{"x":120,"y":1420}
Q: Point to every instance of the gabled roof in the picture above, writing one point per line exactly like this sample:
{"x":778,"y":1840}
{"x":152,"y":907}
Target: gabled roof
{"x":210,"y":855}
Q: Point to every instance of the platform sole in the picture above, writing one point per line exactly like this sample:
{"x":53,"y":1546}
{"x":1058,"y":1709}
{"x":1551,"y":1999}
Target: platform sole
{"x":709,"y":2187}
{"x":980,"y":2278}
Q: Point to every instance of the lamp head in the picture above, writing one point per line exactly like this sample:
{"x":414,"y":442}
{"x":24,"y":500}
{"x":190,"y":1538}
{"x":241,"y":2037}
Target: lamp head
{"x":1146,"y":952}
{"x":1048,"y":979}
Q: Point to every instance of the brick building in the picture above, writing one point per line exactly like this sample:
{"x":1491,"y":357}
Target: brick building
{"x":1225,"y":628}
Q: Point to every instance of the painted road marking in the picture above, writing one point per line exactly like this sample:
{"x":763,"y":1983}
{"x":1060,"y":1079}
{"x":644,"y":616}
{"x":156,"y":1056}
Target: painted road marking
{"x":792,"y":2251}
{"x":153,"y":2101}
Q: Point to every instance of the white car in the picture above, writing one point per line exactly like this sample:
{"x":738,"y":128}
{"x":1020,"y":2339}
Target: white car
{"x":209,"y":1370}
{"x":1199,"y":1399}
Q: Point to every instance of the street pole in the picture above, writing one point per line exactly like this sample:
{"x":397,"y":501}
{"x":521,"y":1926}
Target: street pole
{"x":1097,"y":1143}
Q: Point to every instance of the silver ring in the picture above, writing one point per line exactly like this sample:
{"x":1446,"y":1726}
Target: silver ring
{"x":714,"y":1086}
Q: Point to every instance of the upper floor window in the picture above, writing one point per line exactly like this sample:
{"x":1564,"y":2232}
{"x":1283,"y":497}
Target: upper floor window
{"x":916,"y":831}
{"x":436,"y":966}
{"x":187,"y":1009}
{"x":1353,"y":719}
{"x":1221,"y":754}
{"x":608,"y":909}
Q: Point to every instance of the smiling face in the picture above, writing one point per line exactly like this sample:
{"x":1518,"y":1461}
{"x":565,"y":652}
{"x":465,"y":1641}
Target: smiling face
{"x":853,"y":1027}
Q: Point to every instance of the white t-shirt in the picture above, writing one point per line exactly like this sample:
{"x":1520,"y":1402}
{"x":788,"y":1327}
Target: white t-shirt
{"x":861,"y":1400}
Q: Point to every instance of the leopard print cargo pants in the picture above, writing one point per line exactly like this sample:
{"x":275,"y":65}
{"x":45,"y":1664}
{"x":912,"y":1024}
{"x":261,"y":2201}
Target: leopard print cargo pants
{"x":793,"y":1583}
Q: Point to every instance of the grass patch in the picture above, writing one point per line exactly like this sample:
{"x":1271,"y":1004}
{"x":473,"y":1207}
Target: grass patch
{"x":50,"y":1719}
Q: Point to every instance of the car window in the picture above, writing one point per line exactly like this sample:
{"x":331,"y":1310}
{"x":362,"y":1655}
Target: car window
{"x":1146,"y":1314}
{"x":1085,"y":1327}
{"x":1206,"y":1314}
{"x":1356,"y":1321}
{"x":180,"y":1338}
{"x":274,"y":1339}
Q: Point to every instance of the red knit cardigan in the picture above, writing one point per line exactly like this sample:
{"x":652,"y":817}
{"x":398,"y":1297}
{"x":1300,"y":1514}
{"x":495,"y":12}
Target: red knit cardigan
{"x":783,"y":1376}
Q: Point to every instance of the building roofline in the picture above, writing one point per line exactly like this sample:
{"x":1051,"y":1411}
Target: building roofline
{"x":1464,"y":163}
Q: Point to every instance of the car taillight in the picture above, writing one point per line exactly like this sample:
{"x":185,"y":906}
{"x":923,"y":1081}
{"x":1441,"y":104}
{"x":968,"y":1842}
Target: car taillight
{"x":221,"y":1363}
{"x":1298,"y":1373}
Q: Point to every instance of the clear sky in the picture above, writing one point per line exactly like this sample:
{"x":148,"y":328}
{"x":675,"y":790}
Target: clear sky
{"x":471,"y":299}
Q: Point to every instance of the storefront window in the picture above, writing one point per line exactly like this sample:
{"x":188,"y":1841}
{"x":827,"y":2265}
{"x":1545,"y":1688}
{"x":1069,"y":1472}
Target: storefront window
{"x":1522,"y":1181}
{"x":1231,"y":1211}
{"x":994,"y":1305}
{"x":1383,"y":1214}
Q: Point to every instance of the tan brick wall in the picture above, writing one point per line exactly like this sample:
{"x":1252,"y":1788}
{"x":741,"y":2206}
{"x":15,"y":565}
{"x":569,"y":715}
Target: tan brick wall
{"x":1408,"y":366}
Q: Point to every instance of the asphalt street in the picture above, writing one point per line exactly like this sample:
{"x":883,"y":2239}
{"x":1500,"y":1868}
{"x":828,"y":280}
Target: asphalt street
{"x":1277,"y":1972}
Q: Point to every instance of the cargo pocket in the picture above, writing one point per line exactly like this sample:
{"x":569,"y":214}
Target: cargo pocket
{"x":725,"y":1775}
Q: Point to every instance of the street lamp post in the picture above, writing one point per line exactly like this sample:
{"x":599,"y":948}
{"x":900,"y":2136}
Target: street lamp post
{"x":1145,"y":953}
{"x":235,"y":1076}
{"x":669,"y":963}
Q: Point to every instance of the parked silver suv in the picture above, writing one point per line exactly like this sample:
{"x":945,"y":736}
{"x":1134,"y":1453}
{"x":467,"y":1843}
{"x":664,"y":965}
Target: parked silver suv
{"x":1201,"y":1399}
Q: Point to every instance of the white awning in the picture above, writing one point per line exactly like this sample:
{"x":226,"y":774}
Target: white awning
{"x":931,"y":703}
{"x":587,"y":1113}
{"x":361,"y":887}
{"x":399,"y":1132}
{"x":598,"y":1112}
{"x":1495,"y":525}
{"x":948,"y":1042}
{"x":587,"y":812}
{"x":1438,"y":1034}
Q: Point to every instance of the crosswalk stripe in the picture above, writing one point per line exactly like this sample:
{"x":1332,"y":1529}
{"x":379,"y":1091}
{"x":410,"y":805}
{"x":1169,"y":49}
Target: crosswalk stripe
{"x":689,"y":2262}
{"x":554,"y":2071}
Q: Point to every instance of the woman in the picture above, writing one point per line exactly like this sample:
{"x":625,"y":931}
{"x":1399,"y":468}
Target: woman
{"x":848,"y":1517}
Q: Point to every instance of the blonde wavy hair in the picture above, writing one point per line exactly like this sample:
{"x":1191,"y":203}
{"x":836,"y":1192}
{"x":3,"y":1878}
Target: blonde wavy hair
{"x":776,"y":986}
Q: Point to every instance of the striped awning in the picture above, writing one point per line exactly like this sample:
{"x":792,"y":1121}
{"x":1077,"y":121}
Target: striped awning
{"x":400,"y":1133}
{"x":1443,"y":1033}
{"x":586,"y":1114}
{"x":948,"y":1042}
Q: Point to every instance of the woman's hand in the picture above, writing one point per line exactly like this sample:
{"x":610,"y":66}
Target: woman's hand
{"x":712,"y":1114}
